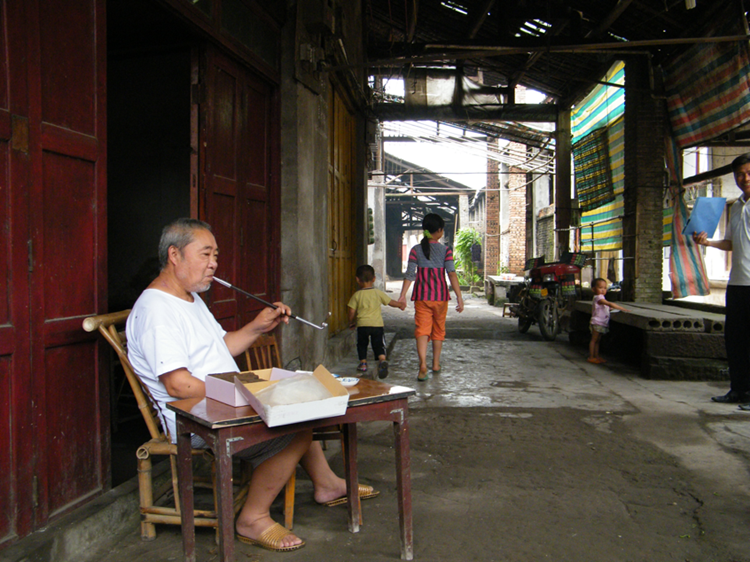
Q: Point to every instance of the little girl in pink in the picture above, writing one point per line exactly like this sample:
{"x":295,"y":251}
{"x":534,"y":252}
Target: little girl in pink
{"x":599,"y":318}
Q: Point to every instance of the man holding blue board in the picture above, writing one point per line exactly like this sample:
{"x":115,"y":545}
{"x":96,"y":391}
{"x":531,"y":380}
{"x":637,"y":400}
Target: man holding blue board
{"x":737,"y":325}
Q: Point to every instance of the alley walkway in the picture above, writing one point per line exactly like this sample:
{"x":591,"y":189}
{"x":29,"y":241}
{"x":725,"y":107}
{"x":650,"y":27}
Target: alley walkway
{"x":524,"y":452}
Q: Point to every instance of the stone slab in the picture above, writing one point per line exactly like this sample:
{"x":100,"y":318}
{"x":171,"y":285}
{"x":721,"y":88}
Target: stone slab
{"x":684,"y":344}
{"x":643,"y":317}
{"x":685,"y":369}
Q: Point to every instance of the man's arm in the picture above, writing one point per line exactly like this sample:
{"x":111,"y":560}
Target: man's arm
{"x":701,"y":238}
{"x":181,"y":384}
{"x":352,"y":317}
{"x":239,"y":340}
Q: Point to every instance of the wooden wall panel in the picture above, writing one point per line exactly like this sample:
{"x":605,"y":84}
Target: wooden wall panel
{"x":255,"y":235}
{"x":73,"y":436}
{"x":341,"y":255}
{"x":68,"y":235}
{"x":224,"y":301}
{"x":68,"y":52}
{"x":241,"y":197}
{"x":7,"y":458}
{"x":6,"y":265}
{"x":225,"y":125}
{"x":67,"y":272}
{"x":258,"y":132}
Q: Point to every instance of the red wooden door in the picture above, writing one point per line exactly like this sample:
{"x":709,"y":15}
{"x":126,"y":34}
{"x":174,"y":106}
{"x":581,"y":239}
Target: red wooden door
{"x":52,"y":183}
{"x":240,"y":123}
{"x":16,"y":453}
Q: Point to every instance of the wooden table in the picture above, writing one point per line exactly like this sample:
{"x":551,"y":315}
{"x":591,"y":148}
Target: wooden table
{"x":229,"y":430}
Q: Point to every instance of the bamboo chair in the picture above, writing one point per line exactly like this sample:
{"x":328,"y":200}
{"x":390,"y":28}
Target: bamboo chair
{"x":159,"y":445}
{"x":264,"y":354}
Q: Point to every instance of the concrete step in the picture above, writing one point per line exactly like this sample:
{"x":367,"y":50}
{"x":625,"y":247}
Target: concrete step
{"x":76,"y":536}
{"x":685,"y":369}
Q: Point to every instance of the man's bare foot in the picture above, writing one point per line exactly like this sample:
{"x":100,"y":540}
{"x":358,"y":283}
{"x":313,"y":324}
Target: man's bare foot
{"x":255,"y":529}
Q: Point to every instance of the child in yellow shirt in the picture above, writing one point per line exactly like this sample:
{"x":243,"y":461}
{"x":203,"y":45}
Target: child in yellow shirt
{"x":364,"y":314}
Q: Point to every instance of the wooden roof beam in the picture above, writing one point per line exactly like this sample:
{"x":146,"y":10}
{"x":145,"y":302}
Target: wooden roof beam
{"x":609,"y":19}
{"x":479,"y":18}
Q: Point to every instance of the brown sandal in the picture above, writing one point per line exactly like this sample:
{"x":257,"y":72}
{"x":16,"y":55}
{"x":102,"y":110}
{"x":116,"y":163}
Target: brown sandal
{"x":365,"y":493}
{"x":270,"y":539}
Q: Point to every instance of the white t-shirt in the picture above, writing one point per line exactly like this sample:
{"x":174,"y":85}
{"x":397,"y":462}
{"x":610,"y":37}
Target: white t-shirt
{"x":739,"y":233}
{"x":166,"y":333}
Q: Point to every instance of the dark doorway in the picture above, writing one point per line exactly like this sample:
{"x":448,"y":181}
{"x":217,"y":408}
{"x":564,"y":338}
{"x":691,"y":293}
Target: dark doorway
{"x":149,"y":126}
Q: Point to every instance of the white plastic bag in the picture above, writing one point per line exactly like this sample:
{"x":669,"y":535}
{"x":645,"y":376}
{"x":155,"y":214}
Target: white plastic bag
{"x":293,"y":390}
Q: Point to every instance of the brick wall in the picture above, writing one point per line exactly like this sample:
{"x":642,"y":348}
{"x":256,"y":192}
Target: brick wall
{"x":545,"y":233}
{"x":492,"y":215}
{"x":517,"y":231}
{"x":645,"y":120}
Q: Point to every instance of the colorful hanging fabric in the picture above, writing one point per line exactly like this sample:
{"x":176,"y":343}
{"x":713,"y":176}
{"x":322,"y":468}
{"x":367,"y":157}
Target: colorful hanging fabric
{"x":593,"y":172}
{"x":707,"y":86}
{"x":687,"y":270}
{"x":604,"y":107}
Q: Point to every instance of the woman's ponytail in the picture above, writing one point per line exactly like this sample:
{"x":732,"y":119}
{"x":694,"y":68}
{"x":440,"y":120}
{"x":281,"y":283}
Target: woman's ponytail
{"x":431,"y":223}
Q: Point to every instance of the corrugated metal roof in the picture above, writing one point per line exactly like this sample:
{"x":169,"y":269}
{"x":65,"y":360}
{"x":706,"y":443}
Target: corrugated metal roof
{"x":560,"y":48}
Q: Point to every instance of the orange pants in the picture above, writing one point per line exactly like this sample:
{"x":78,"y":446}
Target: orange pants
{"x":429,"y":318}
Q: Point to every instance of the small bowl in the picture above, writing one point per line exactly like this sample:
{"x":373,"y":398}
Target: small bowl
{"x":347,"y":381}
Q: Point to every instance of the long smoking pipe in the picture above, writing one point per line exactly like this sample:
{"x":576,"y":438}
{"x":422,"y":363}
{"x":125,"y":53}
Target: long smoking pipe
{"x":323,"y":326}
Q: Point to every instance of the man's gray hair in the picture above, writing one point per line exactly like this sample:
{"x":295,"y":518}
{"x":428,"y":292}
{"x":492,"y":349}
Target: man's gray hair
{"x":179,"y":234}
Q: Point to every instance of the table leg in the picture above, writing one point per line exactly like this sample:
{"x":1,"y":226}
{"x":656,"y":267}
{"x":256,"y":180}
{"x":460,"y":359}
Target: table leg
{"x":403,"y":482}
{"x":224,"y":499}
{"x":351,"y":476}
{"x":185,"y":477}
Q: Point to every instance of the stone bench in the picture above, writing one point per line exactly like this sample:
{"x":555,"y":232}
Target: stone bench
{"x":667,"y":342}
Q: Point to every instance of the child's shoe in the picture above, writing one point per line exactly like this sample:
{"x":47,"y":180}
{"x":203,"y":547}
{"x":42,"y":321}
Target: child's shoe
{"x":383,"y":369}
{"x":362,"y":366}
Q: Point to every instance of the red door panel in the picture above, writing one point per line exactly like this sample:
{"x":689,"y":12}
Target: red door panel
{"x":69,"y":68}
{"x":16,"y":456}
{"x":73,"y":436}
{"x":241,"y":196}
{"x":54,"y":417}
{"x":68,"y":235}
{"x":67,"y":253}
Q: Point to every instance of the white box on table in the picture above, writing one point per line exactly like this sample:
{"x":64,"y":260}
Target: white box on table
{"x":225,"y":388}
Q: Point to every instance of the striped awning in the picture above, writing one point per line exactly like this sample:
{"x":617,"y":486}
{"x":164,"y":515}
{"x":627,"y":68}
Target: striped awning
{"x":604,"y":108}
{"x":707,"y":87}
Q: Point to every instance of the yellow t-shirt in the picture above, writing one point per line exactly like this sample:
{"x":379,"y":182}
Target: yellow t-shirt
{"x":367,"y":303}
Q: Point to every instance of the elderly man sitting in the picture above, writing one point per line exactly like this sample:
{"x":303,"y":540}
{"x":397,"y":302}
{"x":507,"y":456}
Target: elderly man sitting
{"x":174,"y":342}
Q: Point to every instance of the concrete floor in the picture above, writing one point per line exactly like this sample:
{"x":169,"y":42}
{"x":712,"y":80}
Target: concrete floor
{"x":523,"y":451}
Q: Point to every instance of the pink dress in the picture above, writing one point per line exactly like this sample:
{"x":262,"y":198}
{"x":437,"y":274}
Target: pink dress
{"x":599,"y":312}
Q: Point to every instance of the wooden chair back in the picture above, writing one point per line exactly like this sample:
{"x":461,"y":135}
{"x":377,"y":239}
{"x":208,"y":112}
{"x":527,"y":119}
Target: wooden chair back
{"x":155,"y":504}
{"x":107,"y":325}
{"x":264,"y":353}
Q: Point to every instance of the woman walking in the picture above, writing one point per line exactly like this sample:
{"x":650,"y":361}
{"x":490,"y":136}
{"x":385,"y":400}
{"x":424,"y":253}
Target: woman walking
{"x":429,"y":261}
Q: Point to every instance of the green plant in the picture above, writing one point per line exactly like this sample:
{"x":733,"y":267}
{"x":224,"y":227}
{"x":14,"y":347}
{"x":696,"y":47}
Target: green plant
{"x":467,"y":271}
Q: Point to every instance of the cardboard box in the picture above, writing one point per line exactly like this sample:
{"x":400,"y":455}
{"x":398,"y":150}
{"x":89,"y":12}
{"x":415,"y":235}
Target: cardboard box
{"x":240,"y":392}
{"x":221,"y":387}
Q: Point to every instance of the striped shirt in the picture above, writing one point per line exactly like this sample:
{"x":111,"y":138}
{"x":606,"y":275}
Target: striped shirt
{"x":429,"y":274}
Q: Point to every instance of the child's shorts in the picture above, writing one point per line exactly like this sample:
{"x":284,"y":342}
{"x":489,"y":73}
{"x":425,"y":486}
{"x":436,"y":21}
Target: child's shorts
{"x":429,"y":318}
{"x":598,"y":328}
